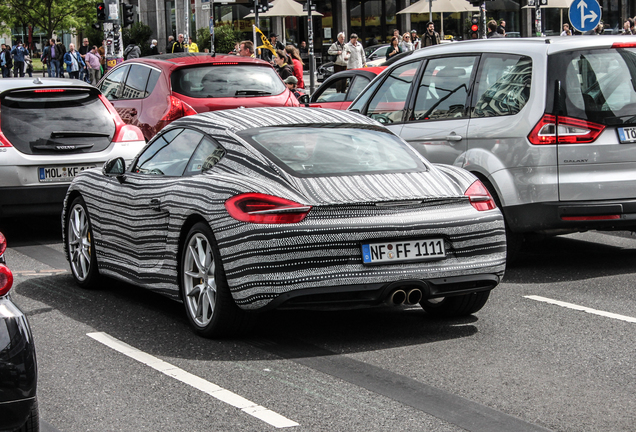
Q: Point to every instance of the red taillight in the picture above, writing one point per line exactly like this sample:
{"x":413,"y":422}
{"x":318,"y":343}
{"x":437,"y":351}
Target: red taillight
{"x":49,"y":91}
{"x":178,"y":109}
{"x":586,"y":218}
{"x":265,"y":209}
{"x":566,"y":130}
{"x":6,"y":279}
{"x":624,"y":45}
{"x":3,"y":243}
{"x":480,"y":197}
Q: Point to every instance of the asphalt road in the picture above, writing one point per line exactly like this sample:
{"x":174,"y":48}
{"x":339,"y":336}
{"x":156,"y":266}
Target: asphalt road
{"x":124,"y":359}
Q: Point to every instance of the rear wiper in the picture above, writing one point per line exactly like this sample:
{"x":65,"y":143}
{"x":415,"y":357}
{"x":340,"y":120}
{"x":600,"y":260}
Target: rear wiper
{"x":251,"y":93}
{"x":66,"y":134}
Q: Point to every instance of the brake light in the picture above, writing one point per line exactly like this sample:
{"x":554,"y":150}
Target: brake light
{"x":225,"y":63}
{"x":49,"y":91}
{"x":566,"y":130}
{"x":586,"y":218}
{"x":265,"y":209}
{"x":624,"y":45}
{"x":3,"y":243}
{"x":6,"y":279}
{"x":178,"y":109}
{"x":479,"y":197}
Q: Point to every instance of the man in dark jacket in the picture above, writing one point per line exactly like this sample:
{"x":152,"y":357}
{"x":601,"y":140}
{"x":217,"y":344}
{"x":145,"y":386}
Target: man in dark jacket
{"x":18,"y":52}
{"x":60,"y":50}
{"x":179,"y":45}
{"x":492,"y":30}
{"x":6,"y":61}
{"x":430,"y":36}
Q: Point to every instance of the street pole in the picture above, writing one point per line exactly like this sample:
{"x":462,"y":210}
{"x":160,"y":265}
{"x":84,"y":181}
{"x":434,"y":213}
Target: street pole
{"x":482,"y":15}
{"x":254,"y":28}
{"x":310,"y":36}
{"x":537,"y":21}
{"x":186,"y":36}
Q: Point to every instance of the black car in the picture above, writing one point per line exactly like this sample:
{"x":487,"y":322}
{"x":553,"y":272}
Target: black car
{"x":18,"y":367}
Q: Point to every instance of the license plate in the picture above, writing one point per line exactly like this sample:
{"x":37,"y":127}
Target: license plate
{"x":60,"y":173}
{"x":627,"y":135}
{"x":406,"y":250}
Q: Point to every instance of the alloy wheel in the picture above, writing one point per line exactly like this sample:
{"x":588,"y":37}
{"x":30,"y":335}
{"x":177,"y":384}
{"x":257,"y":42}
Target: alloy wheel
{"x":79,"y":243}
{"x":198,"y":280}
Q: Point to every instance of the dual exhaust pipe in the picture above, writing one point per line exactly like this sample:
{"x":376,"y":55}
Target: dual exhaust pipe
{"x":409,"y":297}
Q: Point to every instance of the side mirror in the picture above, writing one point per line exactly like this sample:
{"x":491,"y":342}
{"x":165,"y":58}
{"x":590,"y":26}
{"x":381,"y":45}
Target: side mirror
{"x":115,"y":168}
{"x":304,"y":99}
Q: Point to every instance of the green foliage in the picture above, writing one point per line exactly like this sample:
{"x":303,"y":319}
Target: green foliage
{"x":141,"y":34}
{"x":225,"y":36}
{"x":203,"y":38}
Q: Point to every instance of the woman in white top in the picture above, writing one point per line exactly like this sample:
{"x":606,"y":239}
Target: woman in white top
{"x":354,"y":53}
{"x":406,"y":43}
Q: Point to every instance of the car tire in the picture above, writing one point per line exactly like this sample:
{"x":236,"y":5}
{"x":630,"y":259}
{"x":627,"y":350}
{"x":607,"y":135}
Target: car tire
{"x":209,"y":305}
{"x":455,"y":306}
{"x":33,"y":421}
{"x":80,"y":245}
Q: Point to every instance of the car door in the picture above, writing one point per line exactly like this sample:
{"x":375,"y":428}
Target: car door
{"x":139,"y":201}
{"x":437,"y":124}
{"x":133,"y":91}
{"x":332,"y":94}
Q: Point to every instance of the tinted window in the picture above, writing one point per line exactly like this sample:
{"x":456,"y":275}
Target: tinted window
{"x":503,"y":86}
{"x":110,"y":85}
{"x":152,"y":81}
{"x":443,"y":89}
{"x":389,"y":103}
{"x":320,"y":151}
{"x":358,"y":85}
{"x":135,"y":87}
{"x":335,"y":92}
{"x":36,"y":123}
{"x":169,"y":154}
{"x":596,"y":85}
{"x":208,"y":154}
{"x":209,"y":81}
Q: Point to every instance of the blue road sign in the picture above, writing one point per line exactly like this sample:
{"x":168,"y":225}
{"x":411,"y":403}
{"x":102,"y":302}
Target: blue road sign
{"x":585,"y":14}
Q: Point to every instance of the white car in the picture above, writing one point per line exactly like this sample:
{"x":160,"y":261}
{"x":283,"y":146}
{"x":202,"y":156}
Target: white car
{"x":50,"y":130}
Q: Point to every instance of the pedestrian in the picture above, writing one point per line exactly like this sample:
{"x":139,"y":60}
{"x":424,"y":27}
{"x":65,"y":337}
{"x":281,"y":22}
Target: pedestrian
{"x":337,"y":50}
{"x":73,"y":61}
{"x":291,"y":83}
{"x":102,"y":52}
{"x":394,"y":48}
{"x":153,"y":47}
{"x":267,"y":54}
{"x":430,"y":36}
{"x":282,"y":67}
{"x":415,"y":40}
{"x":60,"y":50}
{"x":501,"y":29}
{"x":28,"y":66}
{"x":492,"y":30}
{"x":566,"y":30}
{"x":18,"y":52}
{"x":354,"y":53}
{"x":46,"y":57}
{"x":192,"y":46}
{"x":246,"y":49}
{"x":179,"y":45}
{"x":83,"y":50}
{"x":298,"y":64}
{"x":6,"y":61}
{"x":132,"y":51}
{"x":397,"y":34}
{"x":170,"y":44}
{"x":93,"y":64}
{"x":406,"y":44}
{"x":303,"y":50}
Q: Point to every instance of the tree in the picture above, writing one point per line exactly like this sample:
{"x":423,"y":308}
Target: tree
{"x":141,"y":34}
{"x":225,"y":36}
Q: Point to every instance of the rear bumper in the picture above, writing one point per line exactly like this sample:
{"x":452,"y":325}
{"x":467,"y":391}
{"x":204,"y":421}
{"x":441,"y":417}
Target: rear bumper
{"x":572,"y":216}
{"x":32,"y":200}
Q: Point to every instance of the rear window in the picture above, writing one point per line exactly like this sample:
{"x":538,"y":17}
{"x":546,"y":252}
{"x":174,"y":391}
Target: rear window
{"x":58,"y":121}
{"x":222,"y":81}
{"x":334,"y":150}
{"x":597,"y":85}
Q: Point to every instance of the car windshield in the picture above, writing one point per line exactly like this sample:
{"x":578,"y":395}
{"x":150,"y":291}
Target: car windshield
{"x":221,"y":81}
{"x":590,"y":89}
{"x":334,"y":150}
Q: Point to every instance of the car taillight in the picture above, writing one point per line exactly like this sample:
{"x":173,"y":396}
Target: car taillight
{"x":6,"y":279}
{"x":265,"y":209}
{"x":624,"y":45}
{"x":178,"y":109}
{"x":479,"y":197}
{"x":3,"y":243}
{"x":566,"y":130}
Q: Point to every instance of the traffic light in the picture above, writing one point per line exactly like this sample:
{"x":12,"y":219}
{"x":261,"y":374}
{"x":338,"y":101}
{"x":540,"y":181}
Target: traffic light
{"x":474,"y":27}
{"x":128,"y":15}
{"x":116,"y":44}
{"x":101,"y":11}
{"x":264,"y":5}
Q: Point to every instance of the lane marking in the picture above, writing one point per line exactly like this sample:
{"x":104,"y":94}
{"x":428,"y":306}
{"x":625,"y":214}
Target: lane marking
{"x":582,"y":308}
{"x":248,"y":407}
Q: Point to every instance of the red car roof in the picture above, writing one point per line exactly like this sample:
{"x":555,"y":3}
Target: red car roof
{"x":184,"y":59}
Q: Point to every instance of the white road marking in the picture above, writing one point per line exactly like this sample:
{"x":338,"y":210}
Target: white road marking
{"x":582,"y":308}
{"x":261,"y":413}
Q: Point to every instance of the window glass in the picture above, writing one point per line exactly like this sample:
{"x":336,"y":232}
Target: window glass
{"x":389,"y":102}
{"x":152,"y":81}
{"x":135,"y":87}
{"x":359,"y":103}
{"x":205,"y":157}
{"x":443,"y":89}
{"x":596,"y":84}
{"x":167,"y":156}
{"x":334,"y":150}
{"x":503,"y":86}
{"x":110,"y":85}
{"x":336,"y":92}
{"x":359,"y":83}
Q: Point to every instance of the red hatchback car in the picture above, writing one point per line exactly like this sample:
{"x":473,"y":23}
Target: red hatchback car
{"x":151,"y":92}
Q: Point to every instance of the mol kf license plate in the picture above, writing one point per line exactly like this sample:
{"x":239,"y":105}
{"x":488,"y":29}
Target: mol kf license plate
{"x":405,"y":250}
{"x":60,"y":173}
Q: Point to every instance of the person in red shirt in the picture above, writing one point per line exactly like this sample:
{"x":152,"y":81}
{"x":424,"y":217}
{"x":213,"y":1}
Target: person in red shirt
{"x":294,"y":54}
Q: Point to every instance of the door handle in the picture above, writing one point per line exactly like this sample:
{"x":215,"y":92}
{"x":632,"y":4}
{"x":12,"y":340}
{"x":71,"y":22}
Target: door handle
{"x":454,"y":137}
{"x":155,"y":204}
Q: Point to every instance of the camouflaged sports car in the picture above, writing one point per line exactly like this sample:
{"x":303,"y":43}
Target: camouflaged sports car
{"x":253,"y":209}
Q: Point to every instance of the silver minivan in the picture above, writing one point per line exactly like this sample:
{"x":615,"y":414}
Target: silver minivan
{"x":548,"y":124}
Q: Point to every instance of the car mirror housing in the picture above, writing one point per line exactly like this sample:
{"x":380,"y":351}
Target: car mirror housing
{"x":304,"y":99}
{"x":115,"y":168}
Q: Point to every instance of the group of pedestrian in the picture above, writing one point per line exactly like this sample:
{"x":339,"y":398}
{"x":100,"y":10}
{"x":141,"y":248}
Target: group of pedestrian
{"x":85,"y":64}
{"x":179,"y":45}
{"x":348,"y":55}
{"x":16,"y":58}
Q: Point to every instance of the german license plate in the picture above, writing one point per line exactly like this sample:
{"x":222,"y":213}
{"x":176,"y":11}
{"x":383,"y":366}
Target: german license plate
{"x":627,"y":135}
{"x":406,"y":250}
{"x":60,"y":173}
